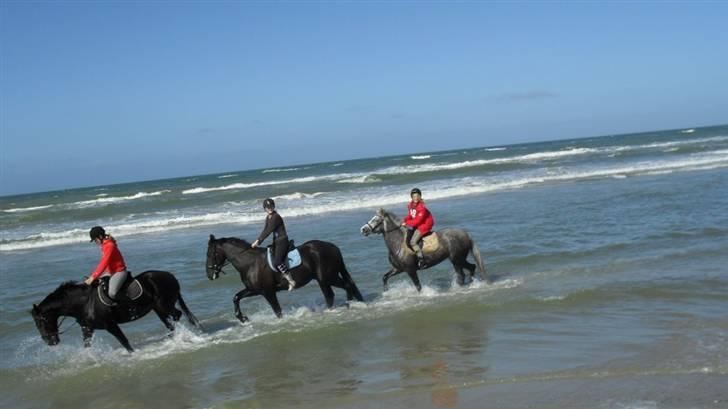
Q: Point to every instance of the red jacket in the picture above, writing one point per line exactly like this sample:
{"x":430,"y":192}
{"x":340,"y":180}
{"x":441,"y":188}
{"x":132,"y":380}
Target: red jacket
{"x":111,"y":259}
{"x":419,"y":217}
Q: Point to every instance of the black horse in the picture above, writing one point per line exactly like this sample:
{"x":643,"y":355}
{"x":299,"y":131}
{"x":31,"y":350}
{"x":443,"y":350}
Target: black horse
{"x":321,"y":261}
{"x":81,"y":301}
{"x":454,"y":244}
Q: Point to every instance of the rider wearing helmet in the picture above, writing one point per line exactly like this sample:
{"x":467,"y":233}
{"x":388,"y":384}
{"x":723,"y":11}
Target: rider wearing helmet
{"x":111,"y":265}
{"x":419,"y":222}
{"x":274,"y":224}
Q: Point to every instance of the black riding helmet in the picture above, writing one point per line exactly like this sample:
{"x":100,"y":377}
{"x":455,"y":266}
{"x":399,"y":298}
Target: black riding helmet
{"x":269,"y":204}
{"x":415,"y":190}
{"x":97,"y":232}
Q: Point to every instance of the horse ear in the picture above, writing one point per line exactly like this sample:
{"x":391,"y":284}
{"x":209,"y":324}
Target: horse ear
{"x":380,"y":211}
{"x":35,"y":308}
{"x":212,"y":237}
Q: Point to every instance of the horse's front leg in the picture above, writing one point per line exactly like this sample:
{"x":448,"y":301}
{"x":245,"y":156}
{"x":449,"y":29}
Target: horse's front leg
{"x":244,"y":293}
{"x":114,"y":329}
{"x":272,"y":299}
{"x":88,"y":334}
{"x":391,"y":273}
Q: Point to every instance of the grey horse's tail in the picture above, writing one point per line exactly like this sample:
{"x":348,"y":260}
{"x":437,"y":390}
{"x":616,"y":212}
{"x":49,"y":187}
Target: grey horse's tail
{"x":191,"y":317}
{"x":478,"y":258}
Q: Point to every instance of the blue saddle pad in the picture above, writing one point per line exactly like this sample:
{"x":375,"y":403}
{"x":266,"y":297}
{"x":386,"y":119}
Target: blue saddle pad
{"x":293,"y":260}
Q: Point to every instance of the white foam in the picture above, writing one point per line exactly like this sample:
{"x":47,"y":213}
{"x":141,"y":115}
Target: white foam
{"x":297,"y":195}
{"x":376,"y":197}
{"x":116,"y":199}
{"x":70,"y":359}
{"x":239,"y":186}
{"x":494,"y":149}
{"x":27,"y":209}
{"x":687,"y":131}
{"x":276,"y":170}
{"x":360,"y":179}
{"x":232,"y":175}
{"x":420,"y":157}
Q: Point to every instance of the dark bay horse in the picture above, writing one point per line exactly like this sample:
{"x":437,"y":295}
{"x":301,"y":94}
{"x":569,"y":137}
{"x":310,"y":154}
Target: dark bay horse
{"x":71,"y":299}
{"x":321,"y":261}
{"x":455,"y":244}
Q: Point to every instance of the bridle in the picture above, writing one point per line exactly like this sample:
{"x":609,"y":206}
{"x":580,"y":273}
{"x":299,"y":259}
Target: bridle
{"x":381,"y":220}
{"x":215,"y":267}
{"x":43,"y":318}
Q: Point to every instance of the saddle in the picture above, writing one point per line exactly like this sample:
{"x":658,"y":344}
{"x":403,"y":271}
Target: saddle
{"x":132,"y":288}
{"x":429,"y":243}
{"x":293,"y":259}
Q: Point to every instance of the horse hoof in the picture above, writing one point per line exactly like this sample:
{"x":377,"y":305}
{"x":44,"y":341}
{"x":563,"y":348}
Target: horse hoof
{"x":242,"y":318}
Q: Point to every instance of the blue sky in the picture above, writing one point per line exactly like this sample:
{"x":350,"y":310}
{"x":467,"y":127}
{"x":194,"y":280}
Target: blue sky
{"x":99,"y":93}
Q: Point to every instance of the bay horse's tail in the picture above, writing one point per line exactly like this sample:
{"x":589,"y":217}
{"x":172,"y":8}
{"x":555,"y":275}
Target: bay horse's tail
{"x":349,"y":283}
{"x":478,"y":258}
{"x":190,"y":316}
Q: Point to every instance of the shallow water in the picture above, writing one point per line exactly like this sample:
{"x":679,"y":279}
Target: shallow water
{"x":608,"y":292}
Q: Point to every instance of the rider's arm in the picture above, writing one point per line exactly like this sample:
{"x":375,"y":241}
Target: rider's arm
{"x":271,"y":223}
{"x":407,"y":217}
{"x":105,"y":257}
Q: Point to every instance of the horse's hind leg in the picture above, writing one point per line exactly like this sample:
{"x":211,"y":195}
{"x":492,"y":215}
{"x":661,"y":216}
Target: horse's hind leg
{"x":164,"y":317}
{"x":88,"y":334}
{"x":460,"y":276}
{"x":328,"y":294}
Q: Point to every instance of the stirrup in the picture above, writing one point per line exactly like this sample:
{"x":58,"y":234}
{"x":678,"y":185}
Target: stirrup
{"x":291,"y":283}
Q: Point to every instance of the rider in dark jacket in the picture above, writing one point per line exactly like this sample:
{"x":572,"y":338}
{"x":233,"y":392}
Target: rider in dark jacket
{"x":274,"y":224}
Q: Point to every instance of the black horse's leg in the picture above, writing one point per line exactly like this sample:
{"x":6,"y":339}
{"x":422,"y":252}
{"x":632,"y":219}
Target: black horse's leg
{"x":389,"y":274}
{"x":244,"y":293}
{"x":88,"y":334}
{"x":415,"y":279}
{"x":328,"y":294}
{"x":272,"y":299}
{"x":165,"y":319}
{"x":114,"y":329}
{"x":471,"y":269}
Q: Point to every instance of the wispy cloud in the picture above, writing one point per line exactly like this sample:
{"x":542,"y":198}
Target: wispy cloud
{"x":526,"y":96}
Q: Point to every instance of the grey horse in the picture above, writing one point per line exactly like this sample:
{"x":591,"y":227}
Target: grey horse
{"x":454,"y":244}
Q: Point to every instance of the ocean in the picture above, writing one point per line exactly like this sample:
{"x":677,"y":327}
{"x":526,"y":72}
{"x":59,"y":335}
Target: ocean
{"x":607,"y":256}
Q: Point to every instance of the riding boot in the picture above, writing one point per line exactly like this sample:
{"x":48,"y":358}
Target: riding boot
{"x":421,"y":259}
{"x":284,"y":270}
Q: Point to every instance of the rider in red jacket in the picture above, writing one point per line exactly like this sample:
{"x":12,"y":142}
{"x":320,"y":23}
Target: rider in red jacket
{"x":111,"y":264}
{"x":419,"y":222}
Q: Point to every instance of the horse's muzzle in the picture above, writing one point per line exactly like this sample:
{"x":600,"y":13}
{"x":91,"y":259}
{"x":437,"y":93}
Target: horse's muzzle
{"x":212,"y":275}
{"x":365,"y":230}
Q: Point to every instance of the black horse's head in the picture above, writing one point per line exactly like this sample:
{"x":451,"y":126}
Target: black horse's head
{"x":215,"y":258}
{"x":47,"y":325}
{"x":375,"y":224}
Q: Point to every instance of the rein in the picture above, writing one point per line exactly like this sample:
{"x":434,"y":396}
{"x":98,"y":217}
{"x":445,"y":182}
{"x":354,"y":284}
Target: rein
{"x":59,"y":332}
{"x":219,"y":268}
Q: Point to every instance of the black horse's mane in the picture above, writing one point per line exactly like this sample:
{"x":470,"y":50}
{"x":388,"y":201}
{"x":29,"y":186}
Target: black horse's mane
{"x":236,"y":241}
{"x":60,"y":292}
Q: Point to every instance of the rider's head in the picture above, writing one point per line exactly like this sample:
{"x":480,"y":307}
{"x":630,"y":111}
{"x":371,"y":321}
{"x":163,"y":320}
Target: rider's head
{"x":97,"y":232}
{"x":269,"y":205}
{"x":416,"y":195}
